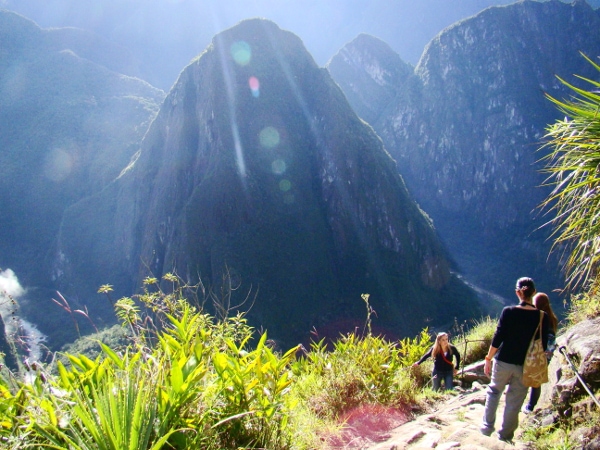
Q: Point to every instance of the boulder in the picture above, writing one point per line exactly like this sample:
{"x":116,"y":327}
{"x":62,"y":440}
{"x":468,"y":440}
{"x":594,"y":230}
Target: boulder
{"x":581,"y":344}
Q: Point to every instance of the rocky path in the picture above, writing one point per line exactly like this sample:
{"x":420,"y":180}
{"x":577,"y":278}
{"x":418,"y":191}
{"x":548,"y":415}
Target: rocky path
{"x":453,"y":424}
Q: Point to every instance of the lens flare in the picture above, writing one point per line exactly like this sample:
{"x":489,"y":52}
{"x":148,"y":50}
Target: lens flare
{"x":288,"y":198}
{"x":228,"y":76}
{"x":254,"y":86}
{"x":278,"y":166}
{"x":241,"y":52}
{"x":58,"y":165}
{"x":269,"y":137}
{"x":285,"y":185}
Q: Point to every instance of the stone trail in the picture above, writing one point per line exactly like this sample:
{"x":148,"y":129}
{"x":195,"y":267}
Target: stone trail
{"x":454,"y":424}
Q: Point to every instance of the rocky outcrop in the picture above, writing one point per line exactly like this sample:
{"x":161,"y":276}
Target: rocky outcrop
{"x":371,"y":75}
{"x":581,"y":345}
{"x":464,"y":127}
{"x":257,"y":166}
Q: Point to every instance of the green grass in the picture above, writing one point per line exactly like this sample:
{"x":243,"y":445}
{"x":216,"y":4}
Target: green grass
{"x":585,"y":305}
{"x":473,"y":342}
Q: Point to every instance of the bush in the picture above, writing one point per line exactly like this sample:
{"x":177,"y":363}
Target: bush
{"x":473,"y":344}
{"x":585,"y":305}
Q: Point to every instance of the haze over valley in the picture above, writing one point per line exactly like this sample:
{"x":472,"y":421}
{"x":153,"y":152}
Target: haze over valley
{"x":304,"y":159}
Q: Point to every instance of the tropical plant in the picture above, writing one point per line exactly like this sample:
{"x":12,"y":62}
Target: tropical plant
{"x":179,"y":378}
{"x":185,"y":380}
{"x":573,"y":165}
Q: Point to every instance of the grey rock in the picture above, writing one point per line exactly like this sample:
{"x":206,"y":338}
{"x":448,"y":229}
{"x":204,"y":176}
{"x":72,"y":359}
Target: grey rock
{"x":283,"y":188}
{"x":582,"y":345}
{"x":465,"y":126}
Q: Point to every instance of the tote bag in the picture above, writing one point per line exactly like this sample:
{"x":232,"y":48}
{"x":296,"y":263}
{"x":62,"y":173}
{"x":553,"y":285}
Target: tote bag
{"x":535,"y":367}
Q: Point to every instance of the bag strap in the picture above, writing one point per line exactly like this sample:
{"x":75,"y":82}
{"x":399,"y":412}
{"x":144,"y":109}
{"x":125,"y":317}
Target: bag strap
{"x":539,"y":327}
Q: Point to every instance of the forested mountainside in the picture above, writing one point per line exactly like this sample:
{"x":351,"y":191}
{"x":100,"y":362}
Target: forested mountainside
{"x":256,"y":166}
{"x":466,"y":123}
{"x":68,"y":126}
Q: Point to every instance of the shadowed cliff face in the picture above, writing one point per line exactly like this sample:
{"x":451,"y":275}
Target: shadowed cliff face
{"x":257,"y":165}
{"x":67,"y":128}
{"x":464,"y":127}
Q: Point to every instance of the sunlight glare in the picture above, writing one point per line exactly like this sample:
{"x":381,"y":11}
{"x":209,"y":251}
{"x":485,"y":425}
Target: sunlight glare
{"x":241,"y":52}
{"x":254,"y":86}
{"x":58,"y":165}
{"x":227,"y":75}
{"x":269,"y":137}
{"x":285,"y":185}
{"x":278,"y":166}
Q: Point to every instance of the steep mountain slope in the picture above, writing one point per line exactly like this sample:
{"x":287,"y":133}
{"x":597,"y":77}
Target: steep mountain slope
{"x":257,"y":166}
{"x":67,"y":128}
{"x":464,"y":127}
{"x":370,"y":74}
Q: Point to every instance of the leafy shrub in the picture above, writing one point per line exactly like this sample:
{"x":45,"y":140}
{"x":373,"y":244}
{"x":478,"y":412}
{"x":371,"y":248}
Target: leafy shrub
{"x":184,"y":381}
{"x":585,"y":305}
{"x":175,"y":377}
{"x":473,"y":344}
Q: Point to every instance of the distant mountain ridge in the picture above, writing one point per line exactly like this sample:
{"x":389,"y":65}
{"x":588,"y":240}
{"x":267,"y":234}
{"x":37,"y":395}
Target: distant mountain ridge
{"x":21,"y":33}
{"x":465,"y":125}
{"x":257,"y":166}
{"x":165,"y":35}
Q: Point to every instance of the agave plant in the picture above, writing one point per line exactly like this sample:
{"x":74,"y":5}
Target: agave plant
{"x":574,"y":167}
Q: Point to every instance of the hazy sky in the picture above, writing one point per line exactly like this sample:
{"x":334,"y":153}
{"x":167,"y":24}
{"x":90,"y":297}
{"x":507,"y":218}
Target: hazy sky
{"x":167,"y":34}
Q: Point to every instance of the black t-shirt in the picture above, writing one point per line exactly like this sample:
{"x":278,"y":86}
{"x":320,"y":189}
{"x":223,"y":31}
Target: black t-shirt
{"x":514,"y":331}
{"x":440,"y":363}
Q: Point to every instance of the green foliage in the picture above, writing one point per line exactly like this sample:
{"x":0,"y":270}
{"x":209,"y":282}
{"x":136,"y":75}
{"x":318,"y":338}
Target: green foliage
{"x":359,"y":370}
{"x":118,"y":410}
{"x":473,"y":343}
{"x":174,"y":377}
{"x":411,"y":350}
{"x":548,"y":437}
{"x":573,"y":167}
{"x":115,"y":337}
{"x":585,"y":305}
{"x":195,"y":386}
{"x":252,"y":388}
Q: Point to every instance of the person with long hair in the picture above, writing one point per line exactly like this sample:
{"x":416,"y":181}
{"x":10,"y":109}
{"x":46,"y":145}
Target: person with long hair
{"x":542,"y":302}
{"x":442,"y":353}
{"x":514,"y":331}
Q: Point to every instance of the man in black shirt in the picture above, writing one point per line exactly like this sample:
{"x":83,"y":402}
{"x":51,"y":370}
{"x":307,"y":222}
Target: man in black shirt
{"x":516,"y":326}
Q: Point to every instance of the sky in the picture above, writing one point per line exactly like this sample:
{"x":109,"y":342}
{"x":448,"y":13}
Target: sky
{"x":168,"y":34}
